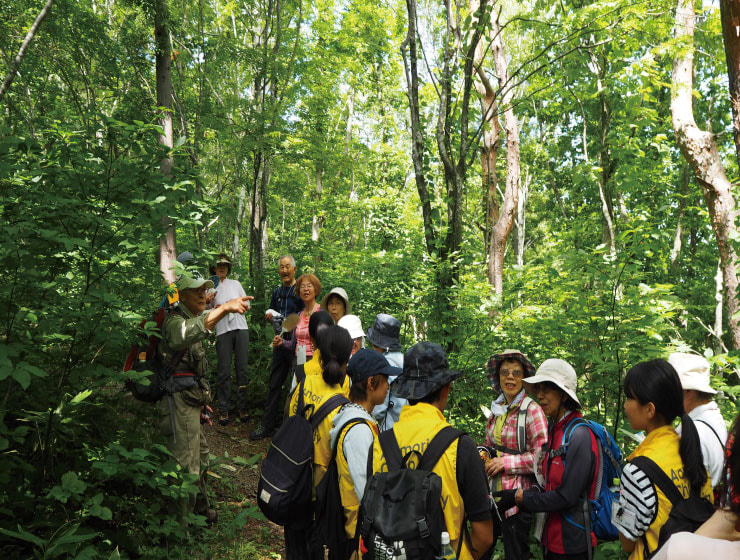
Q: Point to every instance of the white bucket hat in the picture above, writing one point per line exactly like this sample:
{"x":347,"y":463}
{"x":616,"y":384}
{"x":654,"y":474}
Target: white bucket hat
{"x":559,"y":372}
{"x":352,"y":324}
{"x":693,"y":371}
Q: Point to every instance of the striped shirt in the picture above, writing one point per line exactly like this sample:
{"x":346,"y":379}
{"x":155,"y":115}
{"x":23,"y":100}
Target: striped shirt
{"x":639,"y":501}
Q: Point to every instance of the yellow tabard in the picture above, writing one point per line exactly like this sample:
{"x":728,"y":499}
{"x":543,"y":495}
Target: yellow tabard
{"x":661,"y":445}
{"x":317,"y":392}
{"x":313,"y":366}
{"x":414,"y":430}
{"x":350,"y":501}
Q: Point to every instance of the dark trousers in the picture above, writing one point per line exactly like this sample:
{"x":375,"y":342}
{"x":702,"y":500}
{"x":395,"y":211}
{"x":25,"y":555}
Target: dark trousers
{"x":515,"y":535}
{"x":282,"y":364}
{"x":299,"y":545}
{"x":232,"y":344}
{"x":579,"y":556}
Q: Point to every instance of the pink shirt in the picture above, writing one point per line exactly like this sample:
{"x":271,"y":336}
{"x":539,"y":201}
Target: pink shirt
{"x":301,"y":331}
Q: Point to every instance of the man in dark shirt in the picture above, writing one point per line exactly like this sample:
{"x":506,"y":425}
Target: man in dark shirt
{"x":286,"y":302}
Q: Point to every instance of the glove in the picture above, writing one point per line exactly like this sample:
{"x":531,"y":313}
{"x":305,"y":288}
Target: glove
{"x":507,"y":501}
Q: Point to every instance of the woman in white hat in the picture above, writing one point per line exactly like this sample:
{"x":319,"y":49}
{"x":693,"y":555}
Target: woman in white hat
{"x":336,"y":303}
{"x":566,"y":477}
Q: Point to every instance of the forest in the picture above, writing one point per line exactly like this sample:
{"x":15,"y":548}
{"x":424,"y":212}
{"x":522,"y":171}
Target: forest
{"x":554,"y":176}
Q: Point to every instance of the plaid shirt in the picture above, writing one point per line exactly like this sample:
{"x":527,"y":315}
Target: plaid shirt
{"x":519,"y":469}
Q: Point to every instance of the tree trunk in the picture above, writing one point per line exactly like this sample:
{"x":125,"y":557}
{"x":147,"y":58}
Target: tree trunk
{"x":410,"y":60}
{"x":730,"y":14}
{"x":502,"y":228}
{"x":520,"y":231}
{"x":700,"y":150}
{"x":167,"y":248}
{"x":678,"y":237}
{"x":16,"y":62}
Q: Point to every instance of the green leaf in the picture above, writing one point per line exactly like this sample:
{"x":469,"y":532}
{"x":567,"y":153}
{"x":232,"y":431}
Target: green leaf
{"x":22,"y":377}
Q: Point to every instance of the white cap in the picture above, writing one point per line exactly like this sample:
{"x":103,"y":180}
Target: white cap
{"x":559,"y":372}
{"x":693,"y":371}
{"x":445,"y":538}
{"x":352,"y":324}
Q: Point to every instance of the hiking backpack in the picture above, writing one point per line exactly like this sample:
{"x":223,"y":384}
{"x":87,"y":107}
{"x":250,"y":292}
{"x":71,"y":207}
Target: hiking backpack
{"x":401,"y":512}
{"x":329,"y":512}
{"x":687,"y":514}
{"x":286,"y":476}
{"x":144,"y":357}
{"x":605,"y":491}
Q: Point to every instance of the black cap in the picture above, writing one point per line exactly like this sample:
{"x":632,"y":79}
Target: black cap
{"x":366,"y":363}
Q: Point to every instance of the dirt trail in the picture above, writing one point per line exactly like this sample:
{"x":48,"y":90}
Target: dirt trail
{"x":239,"y":486}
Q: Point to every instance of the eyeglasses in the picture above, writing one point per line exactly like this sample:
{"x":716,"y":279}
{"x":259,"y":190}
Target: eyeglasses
{"x":515,"y":373}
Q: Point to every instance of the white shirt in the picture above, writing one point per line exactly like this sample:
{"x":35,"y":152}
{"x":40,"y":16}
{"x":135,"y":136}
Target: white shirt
{"x":227,"y":290}
{"x":712,"y":449}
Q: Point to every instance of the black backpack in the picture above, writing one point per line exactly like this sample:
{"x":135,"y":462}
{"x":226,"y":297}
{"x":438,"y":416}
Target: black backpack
{"x":286,"y":477}
{"x":329,"y":515}
{"x":401,"y":511}
{"x":145,"y":357}
{"x":687,"y":514}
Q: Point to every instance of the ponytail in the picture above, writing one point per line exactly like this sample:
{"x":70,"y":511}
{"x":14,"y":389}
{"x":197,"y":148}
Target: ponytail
{"x":335,"y":347}
{"x":691,"y":457}
{"x":656,"y":381}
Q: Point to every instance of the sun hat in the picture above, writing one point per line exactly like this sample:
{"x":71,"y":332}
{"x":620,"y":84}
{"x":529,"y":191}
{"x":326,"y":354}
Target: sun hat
{"x":693,"y":371}
{"x":558,"y":372}
{"x":353,"y":325}
{"x":366,"y":363}
{"x":193,"y":282}
{"x":384,"y":333}
{"x":337,"y":292}
{"x":494,"y":363}
{"x":224,"y":259}
{"x":425,"y":369}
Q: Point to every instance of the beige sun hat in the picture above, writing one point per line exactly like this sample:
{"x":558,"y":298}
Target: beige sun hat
{"x":337,"y":292}
{"x":693,"y":371}
{"x":559,"y":372}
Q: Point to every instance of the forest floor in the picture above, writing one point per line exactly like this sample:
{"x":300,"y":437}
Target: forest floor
{"x":234,"y":484}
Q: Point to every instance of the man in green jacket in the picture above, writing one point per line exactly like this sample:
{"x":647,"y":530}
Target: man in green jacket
{"x":183,"y":332}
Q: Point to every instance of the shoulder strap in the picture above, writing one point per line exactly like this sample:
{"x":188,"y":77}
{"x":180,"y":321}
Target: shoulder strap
{"x":301,"y":402}
{"x":708,"y":425}
{"x":567,"y":433}
{"x":346,"y":428}
{"x":438,"y":446}
{"x":391,"y":450}
{"x":521,"y":425}
{"x":326,"y":408}
{"x":657,"y":476}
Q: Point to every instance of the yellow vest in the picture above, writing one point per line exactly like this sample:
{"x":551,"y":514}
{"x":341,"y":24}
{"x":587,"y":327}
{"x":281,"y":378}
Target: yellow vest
{"x":414,"y":430}
{"x":350,"y":500}
{"x":661,"y":445}
{"x":313,"y":366}
{"x":317,"y":392}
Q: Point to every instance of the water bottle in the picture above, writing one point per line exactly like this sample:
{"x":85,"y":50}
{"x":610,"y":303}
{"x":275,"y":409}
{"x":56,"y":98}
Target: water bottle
{"x":447,"y":552}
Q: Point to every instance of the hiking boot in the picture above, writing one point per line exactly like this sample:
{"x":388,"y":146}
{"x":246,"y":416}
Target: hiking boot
{"x":261,"y":433}
{"x":224,"y":420}
{"x":244,"y":417}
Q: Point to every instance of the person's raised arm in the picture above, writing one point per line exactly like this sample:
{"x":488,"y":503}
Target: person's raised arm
{"x":236,"y":305}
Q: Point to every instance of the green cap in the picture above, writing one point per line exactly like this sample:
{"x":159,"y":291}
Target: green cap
{"x":193,"y":282}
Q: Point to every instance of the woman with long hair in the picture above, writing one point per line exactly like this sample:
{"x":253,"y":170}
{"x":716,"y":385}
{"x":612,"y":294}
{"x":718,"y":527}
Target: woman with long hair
{"x":719,"y":536}
{"x":654,"y":401}
{"x":335,"y":346}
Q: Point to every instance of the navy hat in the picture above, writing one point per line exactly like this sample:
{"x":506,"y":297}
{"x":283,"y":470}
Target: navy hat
{"x":384,"y":333}
{"x":425,"y":369}
{"x":366,"y":363}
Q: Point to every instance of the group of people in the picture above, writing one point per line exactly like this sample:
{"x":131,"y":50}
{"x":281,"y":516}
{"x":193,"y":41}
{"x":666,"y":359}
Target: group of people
{"x":537,"y":471}
{"x":534,"y":472}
